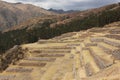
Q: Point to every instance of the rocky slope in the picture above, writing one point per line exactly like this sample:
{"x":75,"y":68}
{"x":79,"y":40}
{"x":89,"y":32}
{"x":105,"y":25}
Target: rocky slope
{"x":95,"y":15}
{"x":93,"y":54}
{"x":12,"y":14}
{"x":11,"y":57}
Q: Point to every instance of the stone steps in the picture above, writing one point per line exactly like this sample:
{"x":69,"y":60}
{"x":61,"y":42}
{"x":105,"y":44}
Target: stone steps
{"x":55,"y":51}
{"x":115,"y":31}
{"x":61,"y":46}
{"x":109,"y":41}
{"x":113,"y":36}
{"x":107,"y":74}
{"x":32,"y":64}
{"x":18,"y":69}
{"x":116,"y":54}
{"x":16,"y":75}
{"x":49,"y":59}
{"x":102,"y":59}
{"x":106,"y":47}
{"x":112,"y":42}
{"x":49,"y":55}
{"x":7,"y":77}
{"x":89,"y":63}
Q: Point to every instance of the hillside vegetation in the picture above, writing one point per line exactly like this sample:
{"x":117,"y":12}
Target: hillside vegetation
{"x":56,"y":25}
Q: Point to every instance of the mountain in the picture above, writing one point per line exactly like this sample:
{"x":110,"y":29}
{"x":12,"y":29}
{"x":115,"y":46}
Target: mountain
{"x":61,"y":11}
{"x":51,"y":26}
{"x":12,"y":14}
{"x":96,"y":16}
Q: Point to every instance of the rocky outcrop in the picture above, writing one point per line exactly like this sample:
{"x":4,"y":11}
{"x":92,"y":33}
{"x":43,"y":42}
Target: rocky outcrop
{"x":11,"y":57}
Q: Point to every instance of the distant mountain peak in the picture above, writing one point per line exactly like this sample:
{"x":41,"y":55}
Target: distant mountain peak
{"x":61,"y":11}
{"x":18,"y":3}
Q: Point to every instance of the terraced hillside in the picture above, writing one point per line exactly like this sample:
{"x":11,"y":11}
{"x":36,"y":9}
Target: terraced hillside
{"x":87,"y":55}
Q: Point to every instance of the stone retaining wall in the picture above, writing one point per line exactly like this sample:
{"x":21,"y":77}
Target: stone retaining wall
{"x":11,"y":57}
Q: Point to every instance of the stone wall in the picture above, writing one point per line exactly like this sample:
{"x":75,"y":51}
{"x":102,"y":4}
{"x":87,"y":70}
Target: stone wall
{"x":11,"y":57}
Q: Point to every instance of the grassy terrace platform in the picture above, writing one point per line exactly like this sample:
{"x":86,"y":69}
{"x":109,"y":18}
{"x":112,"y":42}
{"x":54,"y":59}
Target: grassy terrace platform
{"x":86,"y":55}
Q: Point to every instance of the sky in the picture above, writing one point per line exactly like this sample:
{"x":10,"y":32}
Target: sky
{"x":67,"y":4}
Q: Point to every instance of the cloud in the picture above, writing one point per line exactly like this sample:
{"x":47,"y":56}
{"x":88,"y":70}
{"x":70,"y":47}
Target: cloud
{"x":10,"y":1}
{"x":67,"y":4}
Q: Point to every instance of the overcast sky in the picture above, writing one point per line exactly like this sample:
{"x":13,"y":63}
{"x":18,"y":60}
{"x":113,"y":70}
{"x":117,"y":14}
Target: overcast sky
{"x":67,"y":4}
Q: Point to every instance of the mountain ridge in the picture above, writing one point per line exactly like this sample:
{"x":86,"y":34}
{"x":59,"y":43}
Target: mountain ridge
{"x":61,"y":11}
{"x":69,"y":17}
{"x":12,"y":14}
